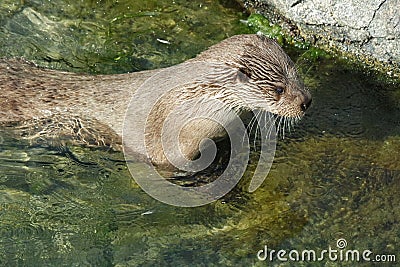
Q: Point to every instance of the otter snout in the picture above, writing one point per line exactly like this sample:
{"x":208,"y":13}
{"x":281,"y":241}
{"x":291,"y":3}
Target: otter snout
{"x":306,"y":101}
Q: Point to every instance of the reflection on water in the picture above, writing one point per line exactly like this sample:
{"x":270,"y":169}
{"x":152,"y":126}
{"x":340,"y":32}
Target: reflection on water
{"x":114,"y":36}
{"x":337,"y":175}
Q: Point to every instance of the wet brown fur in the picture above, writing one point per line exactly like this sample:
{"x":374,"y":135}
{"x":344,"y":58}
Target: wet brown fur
{"x":49,"y":104}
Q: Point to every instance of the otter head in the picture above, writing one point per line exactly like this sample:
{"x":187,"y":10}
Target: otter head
{"x":267,"y":71}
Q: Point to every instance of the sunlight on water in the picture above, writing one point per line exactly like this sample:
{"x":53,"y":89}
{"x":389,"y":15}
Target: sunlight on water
{"x":336,"y":175}
{"x":114,"y":36}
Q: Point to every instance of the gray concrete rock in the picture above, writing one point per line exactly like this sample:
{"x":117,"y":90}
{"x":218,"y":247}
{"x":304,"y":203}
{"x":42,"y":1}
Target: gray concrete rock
{"x":367,"y":28}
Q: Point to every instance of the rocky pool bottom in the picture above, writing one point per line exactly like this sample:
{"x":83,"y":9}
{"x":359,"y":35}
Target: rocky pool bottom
{"x":336,"y":175}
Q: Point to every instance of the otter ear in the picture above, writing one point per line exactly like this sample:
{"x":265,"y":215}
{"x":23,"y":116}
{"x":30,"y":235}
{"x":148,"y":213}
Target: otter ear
{"x":242,"y":75}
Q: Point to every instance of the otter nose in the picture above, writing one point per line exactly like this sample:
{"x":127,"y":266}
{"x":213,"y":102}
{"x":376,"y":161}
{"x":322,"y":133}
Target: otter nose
{"x":306,"y":104}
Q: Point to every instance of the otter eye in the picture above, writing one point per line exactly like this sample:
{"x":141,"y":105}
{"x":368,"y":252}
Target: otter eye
{"x":279,"y":90}
{"x":246,"y":72}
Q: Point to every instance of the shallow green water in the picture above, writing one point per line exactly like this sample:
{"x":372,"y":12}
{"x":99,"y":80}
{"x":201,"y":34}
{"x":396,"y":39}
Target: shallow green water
{"x":114,"y":36}
{"x":337,"y":175}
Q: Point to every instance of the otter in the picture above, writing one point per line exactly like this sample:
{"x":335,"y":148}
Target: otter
{"x":90,"y":109}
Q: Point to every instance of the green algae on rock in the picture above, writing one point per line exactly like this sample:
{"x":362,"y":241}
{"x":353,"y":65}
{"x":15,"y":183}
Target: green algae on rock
{"x":335,"y":175}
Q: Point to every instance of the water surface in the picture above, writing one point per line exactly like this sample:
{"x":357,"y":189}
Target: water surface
{"x":336,"y":175}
